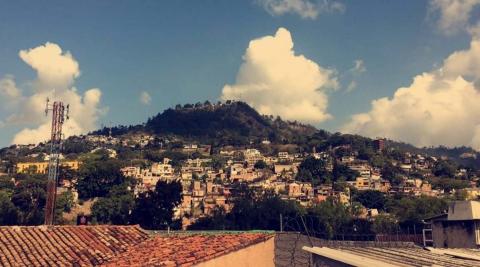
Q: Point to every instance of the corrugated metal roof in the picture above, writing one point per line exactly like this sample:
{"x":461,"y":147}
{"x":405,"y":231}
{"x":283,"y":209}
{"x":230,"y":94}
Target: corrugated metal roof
{"x":413,"y":256}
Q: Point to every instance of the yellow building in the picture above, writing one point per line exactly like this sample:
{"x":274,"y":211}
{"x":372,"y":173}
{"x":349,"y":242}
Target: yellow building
{"x":42,"y":167}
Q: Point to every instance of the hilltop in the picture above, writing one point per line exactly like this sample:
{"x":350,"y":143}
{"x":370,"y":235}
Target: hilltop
{"x":230,"y":123}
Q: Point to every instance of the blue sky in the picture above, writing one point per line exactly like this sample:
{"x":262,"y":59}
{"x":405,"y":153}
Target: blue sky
{"x":186,"y":51}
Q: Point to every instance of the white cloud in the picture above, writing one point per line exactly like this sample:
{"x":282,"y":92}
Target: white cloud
{"x":145,"y":98}
{"x":464,"y":63}
{"x":353,"y":73}
{"x":359,"y":67}
{"x":56,"y":74}
{"x":55,"y":69}
{"x":439,"y":107}
{"x":453,"y":15}
{"x":306,"y":9}
{"x":351,"y":86}
{"x":8,"y":88}
{"x":275,"y":81}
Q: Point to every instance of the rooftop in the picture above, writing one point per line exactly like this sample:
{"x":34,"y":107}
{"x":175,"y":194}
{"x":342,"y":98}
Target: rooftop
{"x":116,"y":246}
{"x":65,"y":245}
{"x":296,"y":248}
{"x":464,"y":210}
{"x":398,"y":256}
{"x":186,"y":249}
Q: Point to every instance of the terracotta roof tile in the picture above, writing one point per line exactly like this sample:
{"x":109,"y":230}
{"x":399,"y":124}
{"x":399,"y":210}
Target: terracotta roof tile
{"x":65,"y":245}
{"x":185,"y":249}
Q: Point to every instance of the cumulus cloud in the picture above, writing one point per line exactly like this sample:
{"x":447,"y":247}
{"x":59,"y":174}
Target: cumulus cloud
{"x":306,"y":9}
{"x":465,"y":63}
{"x":440,"y":107}
{"x":8,"y":88}
{"x":276,"y":81}
{"x":54,"y":67}
{"x":145,"y":98}
{"x":453,"y":15}
{"x":56,"y":73}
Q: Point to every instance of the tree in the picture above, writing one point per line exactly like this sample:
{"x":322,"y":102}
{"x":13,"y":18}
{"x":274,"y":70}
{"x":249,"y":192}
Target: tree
{"x":340,"y":171}
{"x":76,"y":147}
{"x":412,"y":210}
{"x":97,"y":177}
{"x":63,"y":203}
{"x":304,"y":176}
{"x":448,"y":184}
{"x":218,"y":162}
{"x":217,"y":221}
{"x":392,"y":174}
{"x":329,"y":218}
{"x":313,"y":170}
{"x":249,"y":213}
{"x":6,"y":183}
{"x":444,"y":168}
{"x":371,"y":199}
{"x":196,"y":155}
{"x":260,"y":165}
{"x":154,"y":209}
{"x":385,"y":224}
{"x":66,"y":173}
{"x":8,"y":211}
{"x":29,"y":198}
{"x":366,"y":153}
{"x":116,"y":207}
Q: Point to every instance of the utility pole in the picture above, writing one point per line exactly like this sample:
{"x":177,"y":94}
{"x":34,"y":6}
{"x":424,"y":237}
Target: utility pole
{"x":281,"y":223}
{"x":59,"y":115}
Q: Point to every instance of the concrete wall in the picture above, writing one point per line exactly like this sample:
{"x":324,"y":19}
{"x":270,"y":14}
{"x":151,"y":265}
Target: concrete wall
{"x":261,"y":254}
{"x":454,"y":234}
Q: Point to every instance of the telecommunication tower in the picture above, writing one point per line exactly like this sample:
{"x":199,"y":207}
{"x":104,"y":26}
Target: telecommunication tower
{"x":59,"y":115}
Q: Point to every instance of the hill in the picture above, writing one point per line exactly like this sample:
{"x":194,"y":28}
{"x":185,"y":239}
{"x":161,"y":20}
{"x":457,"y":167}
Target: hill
{"x":236,"y":123}
{"x":230,"y":123}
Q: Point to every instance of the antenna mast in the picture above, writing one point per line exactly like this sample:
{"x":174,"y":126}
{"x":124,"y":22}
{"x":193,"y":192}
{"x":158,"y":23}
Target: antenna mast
{"x":59,"y":115}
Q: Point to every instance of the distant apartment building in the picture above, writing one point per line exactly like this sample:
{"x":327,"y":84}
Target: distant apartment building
{"x":285,"y":168}
{"x":150,"y":176}
{"x":363,"y":169}
{"x":283,"y":155}
{"x":252,"y":156}
{"x":42,"y":167}
{"x":379,"y":144}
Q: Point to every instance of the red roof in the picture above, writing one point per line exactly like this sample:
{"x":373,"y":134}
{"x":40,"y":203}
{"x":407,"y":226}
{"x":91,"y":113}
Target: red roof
{"x":184,"y":249}
{"x":65,"y":245}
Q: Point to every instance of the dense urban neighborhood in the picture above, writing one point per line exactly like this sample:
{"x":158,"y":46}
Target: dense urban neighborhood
{"x":187,"y":178}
